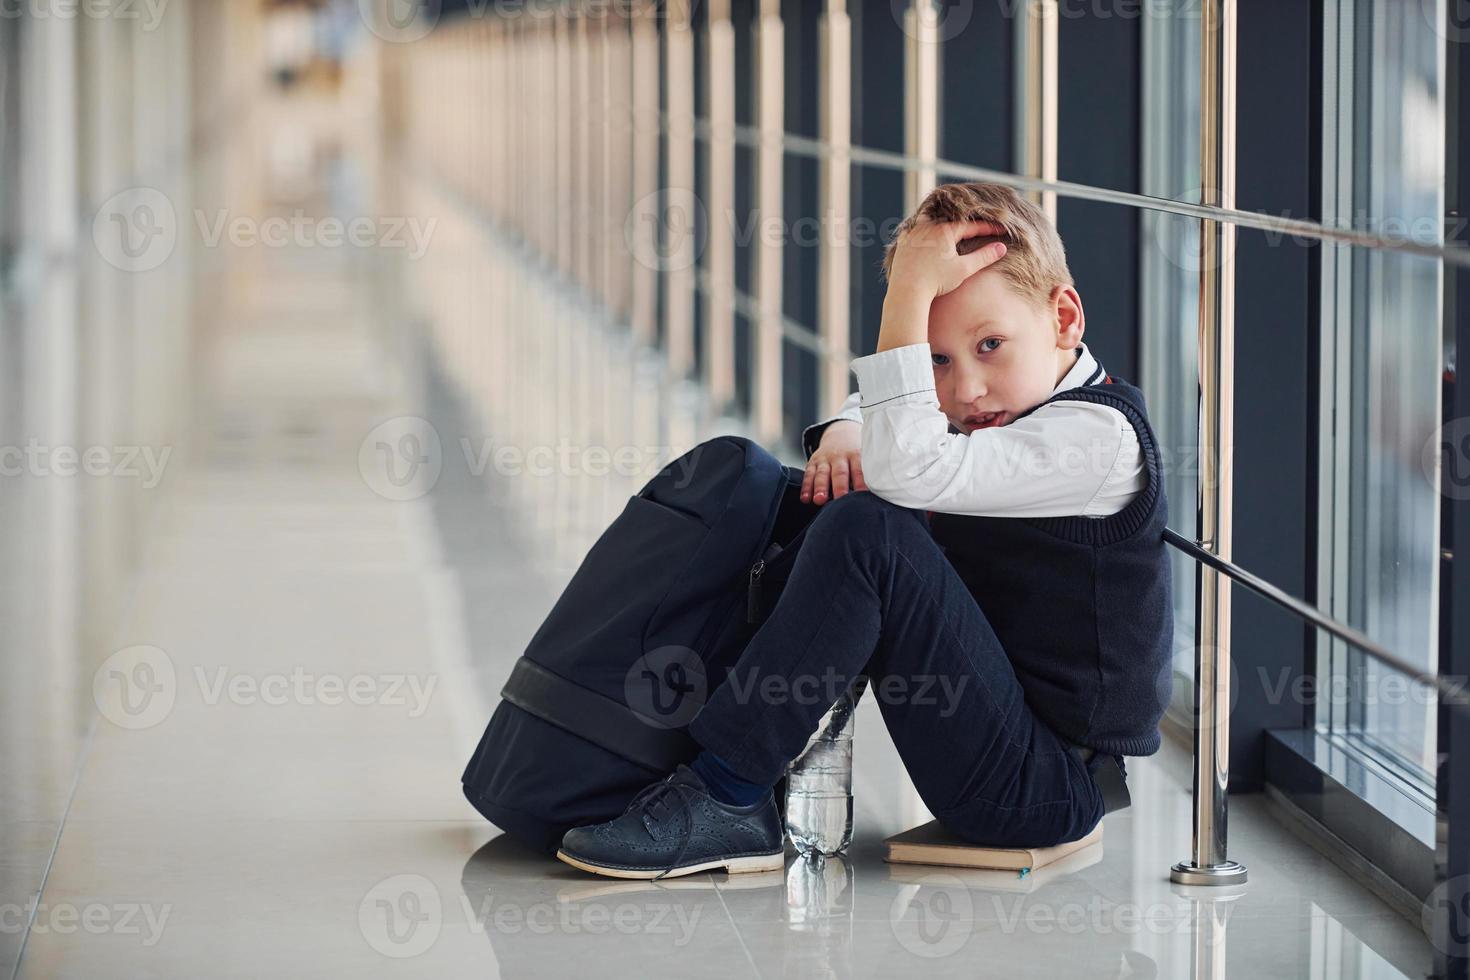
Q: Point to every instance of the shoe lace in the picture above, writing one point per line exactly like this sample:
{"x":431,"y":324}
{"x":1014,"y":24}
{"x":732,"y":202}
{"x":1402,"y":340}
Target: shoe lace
{"x":657,"y":794}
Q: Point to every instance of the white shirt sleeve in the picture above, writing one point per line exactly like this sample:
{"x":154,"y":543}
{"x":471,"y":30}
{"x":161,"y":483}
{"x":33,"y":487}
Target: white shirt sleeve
{"x":850,"y":411}
{"x":1066,"y":458}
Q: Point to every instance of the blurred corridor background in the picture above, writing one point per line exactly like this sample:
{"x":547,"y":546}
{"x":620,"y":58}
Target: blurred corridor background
{"x":332,"y":334}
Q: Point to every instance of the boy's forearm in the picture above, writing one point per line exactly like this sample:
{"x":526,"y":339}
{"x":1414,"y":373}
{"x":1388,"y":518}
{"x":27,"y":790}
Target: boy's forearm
{"x":905,"y":318}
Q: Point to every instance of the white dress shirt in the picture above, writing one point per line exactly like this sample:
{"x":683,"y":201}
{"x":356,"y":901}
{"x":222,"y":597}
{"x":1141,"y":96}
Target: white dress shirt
{"x":1066,"y":458}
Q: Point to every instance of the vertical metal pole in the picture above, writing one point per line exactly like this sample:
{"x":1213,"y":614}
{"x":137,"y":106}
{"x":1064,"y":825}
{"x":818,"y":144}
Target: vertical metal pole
{"x":1208,"y":864}
{"x":645,"y":140}
{"x":719,"y":297}
{"x":679,"y":190}
{"x":622,"y":136}
{"x":562,"y":150}
{"x":770,"y":86}
{"x":921,"y":100}
{"x":834,"y":312}
{"x":1036,"y":98}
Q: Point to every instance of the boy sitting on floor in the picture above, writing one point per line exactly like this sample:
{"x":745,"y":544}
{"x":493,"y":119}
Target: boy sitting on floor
{"x":1010,"y":543}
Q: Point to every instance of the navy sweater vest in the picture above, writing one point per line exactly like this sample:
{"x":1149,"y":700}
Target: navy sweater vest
{"x":1081,"y":605}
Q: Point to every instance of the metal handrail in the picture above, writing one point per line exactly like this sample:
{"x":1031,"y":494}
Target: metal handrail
{"x":1448,"y":693}
{"x":805,"y":146}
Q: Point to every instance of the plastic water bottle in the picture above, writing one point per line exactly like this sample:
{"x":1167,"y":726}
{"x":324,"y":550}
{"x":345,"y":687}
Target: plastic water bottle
{"x":819,"y":782}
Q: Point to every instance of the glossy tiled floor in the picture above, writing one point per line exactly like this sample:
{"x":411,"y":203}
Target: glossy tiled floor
{"x":270,"y":786}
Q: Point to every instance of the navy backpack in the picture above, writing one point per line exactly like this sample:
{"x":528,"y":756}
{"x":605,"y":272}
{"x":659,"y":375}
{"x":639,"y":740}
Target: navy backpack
{"x":660,"y":608}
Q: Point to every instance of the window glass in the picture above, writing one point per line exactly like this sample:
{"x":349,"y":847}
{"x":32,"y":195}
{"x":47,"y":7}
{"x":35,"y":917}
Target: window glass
{"x":1169,"y":296}
{"x":1382,"y":357}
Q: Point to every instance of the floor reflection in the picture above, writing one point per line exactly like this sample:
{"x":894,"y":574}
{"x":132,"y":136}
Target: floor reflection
{"x":827,"y":917}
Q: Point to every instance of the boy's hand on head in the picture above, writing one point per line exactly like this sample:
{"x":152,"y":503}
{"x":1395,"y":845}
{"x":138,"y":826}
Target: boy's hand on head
{"x":928,"y":260}
{"x":836,"y":467}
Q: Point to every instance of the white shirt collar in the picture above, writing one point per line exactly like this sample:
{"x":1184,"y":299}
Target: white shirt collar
{"x":1082,"y":372}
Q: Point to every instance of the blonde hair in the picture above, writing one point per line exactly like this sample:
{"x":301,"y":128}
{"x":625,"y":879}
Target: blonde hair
{"x":1035,"y":262}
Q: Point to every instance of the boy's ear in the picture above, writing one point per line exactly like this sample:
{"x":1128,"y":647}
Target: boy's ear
{"x":1067,"y":313}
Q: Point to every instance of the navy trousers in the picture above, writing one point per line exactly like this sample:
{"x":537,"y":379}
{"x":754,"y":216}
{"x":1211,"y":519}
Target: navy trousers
{"x":871,"y":592}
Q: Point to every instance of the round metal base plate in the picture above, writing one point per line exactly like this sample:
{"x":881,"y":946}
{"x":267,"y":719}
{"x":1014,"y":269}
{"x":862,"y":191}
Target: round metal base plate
{"x":1229,"y":873}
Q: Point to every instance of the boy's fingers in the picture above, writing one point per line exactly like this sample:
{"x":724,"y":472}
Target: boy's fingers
{"x":977,"y":228}
{"x":858,"y":483}
{"x":982,"y":257}
{"x":839,"y":479}
{"x":821,"y":488}
{"x":812,"y":480}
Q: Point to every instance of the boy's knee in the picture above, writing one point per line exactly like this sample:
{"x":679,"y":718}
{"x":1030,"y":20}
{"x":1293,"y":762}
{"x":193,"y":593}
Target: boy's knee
{"x":864,"y":509}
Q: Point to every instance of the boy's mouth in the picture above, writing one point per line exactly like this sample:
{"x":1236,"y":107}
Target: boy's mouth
{"x":985,"y":420}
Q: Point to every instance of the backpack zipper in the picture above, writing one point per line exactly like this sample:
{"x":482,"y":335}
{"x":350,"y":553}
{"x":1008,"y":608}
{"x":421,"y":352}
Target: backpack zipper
{"x":753,"y":591}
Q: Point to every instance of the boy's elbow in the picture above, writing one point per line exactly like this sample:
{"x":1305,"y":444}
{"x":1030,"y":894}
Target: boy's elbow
{"x":902,"y":472}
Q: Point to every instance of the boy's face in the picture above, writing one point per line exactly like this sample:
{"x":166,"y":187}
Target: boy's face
{"x":995,"y":354}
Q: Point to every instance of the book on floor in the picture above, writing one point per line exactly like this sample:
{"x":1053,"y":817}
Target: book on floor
{"x":991,"y":880}
{"x":931,"y":844}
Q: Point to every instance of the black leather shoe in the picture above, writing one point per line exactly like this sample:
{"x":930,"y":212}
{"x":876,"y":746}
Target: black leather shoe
{"x":674,"y":827}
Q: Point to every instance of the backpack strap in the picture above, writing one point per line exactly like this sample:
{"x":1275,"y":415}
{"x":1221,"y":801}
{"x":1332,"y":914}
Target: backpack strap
{"x":599,"y":719}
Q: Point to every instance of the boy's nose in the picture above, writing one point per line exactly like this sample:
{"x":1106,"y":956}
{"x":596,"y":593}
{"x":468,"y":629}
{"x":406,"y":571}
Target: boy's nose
{"x":972,"y":391}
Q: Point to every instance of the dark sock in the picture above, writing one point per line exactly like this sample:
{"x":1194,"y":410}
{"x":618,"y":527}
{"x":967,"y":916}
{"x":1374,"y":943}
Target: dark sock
{"x":724,"y":784}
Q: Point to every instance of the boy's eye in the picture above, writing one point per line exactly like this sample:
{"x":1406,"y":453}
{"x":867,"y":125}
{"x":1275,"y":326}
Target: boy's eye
{"x":989,"y":340}
{"x":939,"y":359}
